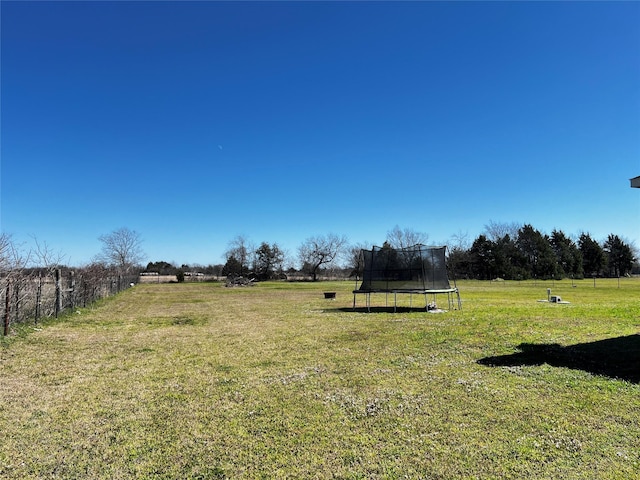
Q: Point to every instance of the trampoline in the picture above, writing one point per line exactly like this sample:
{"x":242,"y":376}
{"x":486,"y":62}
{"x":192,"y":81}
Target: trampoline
{"x":419,"y":269}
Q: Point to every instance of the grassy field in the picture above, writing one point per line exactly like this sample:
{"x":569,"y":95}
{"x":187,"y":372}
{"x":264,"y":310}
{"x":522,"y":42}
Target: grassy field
{"x":199,"y":381}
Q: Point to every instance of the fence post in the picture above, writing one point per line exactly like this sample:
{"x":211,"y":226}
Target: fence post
{"x":16,"y":296}
{"x":7,"y":308}
{"x":72,"y":290}
{"x":58,"y":293}
{"x":38,"y":298}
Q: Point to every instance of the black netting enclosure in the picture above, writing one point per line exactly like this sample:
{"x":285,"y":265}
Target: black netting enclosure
{"x":419,"y":269}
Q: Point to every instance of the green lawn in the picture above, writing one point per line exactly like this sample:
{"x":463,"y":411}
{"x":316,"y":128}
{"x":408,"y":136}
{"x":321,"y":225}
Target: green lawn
{"x":199,"y":381}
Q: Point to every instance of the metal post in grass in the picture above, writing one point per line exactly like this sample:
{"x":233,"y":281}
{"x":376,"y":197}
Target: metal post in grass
{"x":7,"y":307}
{"x":38,"y":298}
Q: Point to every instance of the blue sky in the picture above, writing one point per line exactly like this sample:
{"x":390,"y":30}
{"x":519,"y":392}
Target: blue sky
{"x":194,"y":122}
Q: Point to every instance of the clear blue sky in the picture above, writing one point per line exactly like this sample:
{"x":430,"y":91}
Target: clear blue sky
{"x":194,"y":122}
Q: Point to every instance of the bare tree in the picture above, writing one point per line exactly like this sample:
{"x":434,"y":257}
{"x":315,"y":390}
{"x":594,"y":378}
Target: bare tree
{"x":44,"y":257}
{"x":459,"y":241}
{"x":320,"y":250}
{"x":355,"y":258}
{"x":12,"y":264}
{"x":407,"y":237}
{"x":47,"y":261}
{"x":6,"y":247}
{"x":7,"y":253}
{"x":497,"y":230}
{"x":121,"y":249}
{"x":242,"y":251}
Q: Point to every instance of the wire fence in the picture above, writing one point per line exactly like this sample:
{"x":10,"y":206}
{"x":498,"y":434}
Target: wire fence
{"x":28,"y":296}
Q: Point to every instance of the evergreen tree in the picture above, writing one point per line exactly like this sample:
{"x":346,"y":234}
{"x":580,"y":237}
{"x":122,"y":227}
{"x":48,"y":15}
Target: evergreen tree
{"x":539,"y":258}
{"x":459,"y":262}
{"x":619,"y":256}
{"x":269,"y":260}
{"x":162,"y":268}
{"x":568,"y":255}
{"x":232,"y":268}
{"x":482,"y":258}
{"x":593,"y":258}
{"x":506,"y":258}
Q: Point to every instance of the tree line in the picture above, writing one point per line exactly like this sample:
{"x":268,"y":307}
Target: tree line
{"x":526,"y":253}
{"x":504,"y":250}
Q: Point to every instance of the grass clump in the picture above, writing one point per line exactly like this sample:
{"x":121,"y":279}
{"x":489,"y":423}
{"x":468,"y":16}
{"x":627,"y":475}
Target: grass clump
{"x":199,"y":381}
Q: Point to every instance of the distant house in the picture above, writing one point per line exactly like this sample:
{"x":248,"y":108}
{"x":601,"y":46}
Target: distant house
{"x":635,"y":182}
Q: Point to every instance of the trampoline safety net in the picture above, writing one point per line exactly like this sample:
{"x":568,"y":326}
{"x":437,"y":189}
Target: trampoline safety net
{"x":416,"y":269}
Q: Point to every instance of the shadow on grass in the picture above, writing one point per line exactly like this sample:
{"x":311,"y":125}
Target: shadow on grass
{"x":617,"y":358}
{"x":380,"y":310}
